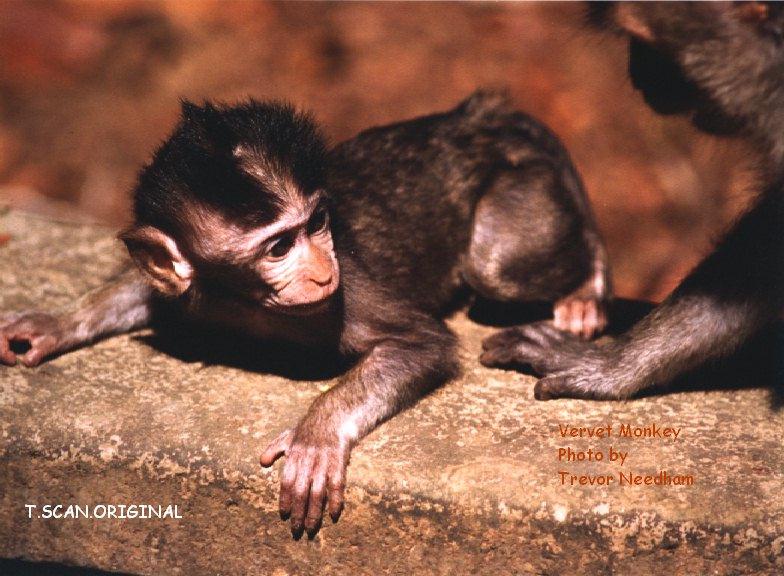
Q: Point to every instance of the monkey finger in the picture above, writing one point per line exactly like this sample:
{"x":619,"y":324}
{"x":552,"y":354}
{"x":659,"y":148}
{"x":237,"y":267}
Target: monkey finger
{"x":602,"y":318}
{"x":535,"y":356}
{"x":549,"y":388}
{"x":277,"y":448}
{"x":500,"y":338}
{"x":495,"y":357}
{"x":287,"y":478}
{"x":549,"y":328}
{"x":32,"y":358}
{"x":496,"y":339}
{"x":568,"y":316}
{"x":317,"y":498}
{"x":596,"y":320}
{"x":577,"y":317}
{"x":561,"y":315}
{"x":507,"y":355}
{"x":336,"y":489}
{"x":543,"y":358}
{"x":512,"y":348}
{"x":299,"y":502}
{"x":7,"y":356}
{"x":40,"y":348}
{"x":545,"y":333}
{"x":590,"y":321}
{"x":569,"y":385}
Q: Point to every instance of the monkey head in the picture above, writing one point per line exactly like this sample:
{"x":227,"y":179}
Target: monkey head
{"x":670,"y":45}
{"x":232,"y":207}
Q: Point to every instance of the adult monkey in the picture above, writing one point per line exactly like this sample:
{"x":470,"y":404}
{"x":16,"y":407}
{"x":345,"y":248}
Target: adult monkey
{"x":724,"y":62}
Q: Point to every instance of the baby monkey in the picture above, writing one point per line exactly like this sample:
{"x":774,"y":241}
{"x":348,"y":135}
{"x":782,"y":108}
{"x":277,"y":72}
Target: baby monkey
{"x":244,"y":218}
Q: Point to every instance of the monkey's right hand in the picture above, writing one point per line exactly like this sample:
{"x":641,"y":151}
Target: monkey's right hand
{"x":29,"y":337}
{"x":314,"y":475}
{"x":570,"y":367}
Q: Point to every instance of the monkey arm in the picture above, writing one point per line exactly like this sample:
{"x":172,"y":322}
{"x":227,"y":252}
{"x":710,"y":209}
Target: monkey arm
{"x":736,"y":290}
{"x":120,"y":306}
{"x":732,"y":294}
{"x":399,"y":368}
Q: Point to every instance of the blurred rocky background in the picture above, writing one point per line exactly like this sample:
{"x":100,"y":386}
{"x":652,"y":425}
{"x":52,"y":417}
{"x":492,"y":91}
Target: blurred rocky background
{"x":89,"y":88}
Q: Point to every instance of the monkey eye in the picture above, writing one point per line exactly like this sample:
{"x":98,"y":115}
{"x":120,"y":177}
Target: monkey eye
{"x":280,"y":247}
{"x":318,"y":221}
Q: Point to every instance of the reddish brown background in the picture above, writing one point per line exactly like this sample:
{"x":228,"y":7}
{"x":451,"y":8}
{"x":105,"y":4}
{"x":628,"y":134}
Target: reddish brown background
{"x":88,"y":89}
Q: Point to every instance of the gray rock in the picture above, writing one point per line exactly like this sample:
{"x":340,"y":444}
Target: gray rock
{"x":467,"y":481}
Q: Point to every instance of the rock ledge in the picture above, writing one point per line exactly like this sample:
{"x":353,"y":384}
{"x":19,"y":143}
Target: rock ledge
{"x":465,"y":482}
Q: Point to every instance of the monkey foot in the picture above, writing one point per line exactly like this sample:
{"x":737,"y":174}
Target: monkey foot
{"x":583,"y":316}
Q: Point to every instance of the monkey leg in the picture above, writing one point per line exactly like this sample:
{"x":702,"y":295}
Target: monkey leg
{"x":730,"y":296}
{"x":532,"y":241}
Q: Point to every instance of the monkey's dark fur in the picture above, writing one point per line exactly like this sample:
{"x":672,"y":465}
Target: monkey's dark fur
{"x":724,"y":64}
{"x":480,"y":195}
{"x":533,"y":219}
{"x":196,"y":163}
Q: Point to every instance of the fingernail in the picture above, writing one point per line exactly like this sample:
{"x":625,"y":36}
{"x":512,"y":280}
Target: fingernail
{"x":335,"y":516}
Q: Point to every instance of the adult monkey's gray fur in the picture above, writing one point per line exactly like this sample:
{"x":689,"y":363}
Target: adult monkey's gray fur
{"x":724,"y":63}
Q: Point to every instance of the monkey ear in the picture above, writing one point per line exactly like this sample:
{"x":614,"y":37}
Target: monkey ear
{"x":158,"y":257}
{"x":627,"y":18}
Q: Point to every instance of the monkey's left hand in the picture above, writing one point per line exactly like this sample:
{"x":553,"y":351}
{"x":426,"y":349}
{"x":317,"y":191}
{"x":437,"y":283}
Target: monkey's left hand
{"x":571,"y":368}
{"x":43,"y":333}
{"x":314,"y":475}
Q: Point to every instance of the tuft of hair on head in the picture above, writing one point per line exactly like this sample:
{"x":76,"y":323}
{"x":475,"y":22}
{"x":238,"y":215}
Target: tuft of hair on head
{"x":487,"y":103}
{"x":274,"y":130}
{"x":205,"y":127}
{"x":198,"y":164}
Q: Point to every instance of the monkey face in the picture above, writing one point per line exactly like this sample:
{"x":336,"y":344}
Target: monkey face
{"x":297,"y":266}
{"x":231,"y":210}
{"x":288,"y":266}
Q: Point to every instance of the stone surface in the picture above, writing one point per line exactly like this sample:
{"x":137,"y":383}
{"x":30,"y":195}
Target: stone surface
{"x":467,"y":481}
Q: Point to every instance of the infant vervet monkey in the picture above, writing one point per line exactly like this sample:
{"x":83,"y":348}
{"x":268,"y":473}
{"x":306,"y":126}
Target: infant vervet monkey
{"x":245,"y":218}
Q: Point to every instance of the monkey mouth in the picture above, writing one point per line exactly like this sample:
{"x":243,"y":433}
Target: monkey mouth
{"x":308,"y":308}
